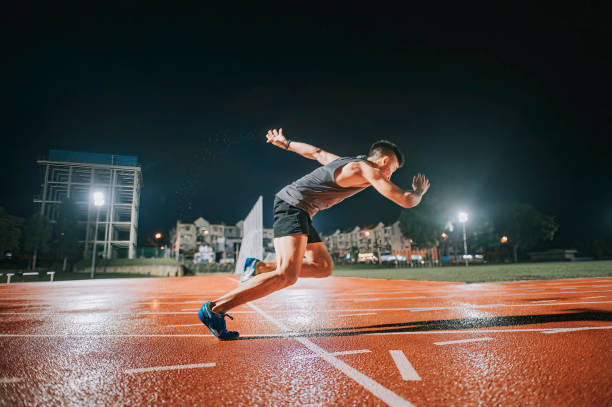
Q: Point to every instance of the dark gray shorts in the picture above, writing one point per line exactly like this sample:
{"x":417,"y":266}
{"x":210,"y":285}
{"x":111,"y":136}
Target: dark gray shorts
{"x":289,"y":220}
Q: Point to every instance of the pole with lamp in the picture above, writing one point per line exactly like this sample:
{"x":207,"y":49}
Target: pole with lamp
{"x":98,"y":198}
{"x":503,"y":241}
{"x":157,"y":237}
{"x":463,"y":217}
{"x":178,"y":242}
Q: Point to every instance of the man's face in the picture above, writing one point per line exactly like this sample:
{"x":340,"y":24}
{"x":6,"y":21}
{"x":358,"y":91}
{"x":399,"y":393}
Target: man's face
{"x":387,"y":164}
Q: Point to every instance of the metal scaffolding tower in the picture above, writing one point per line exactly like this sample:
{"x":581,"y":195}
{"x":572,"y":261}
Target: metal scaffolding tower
{"x":77,"y":176}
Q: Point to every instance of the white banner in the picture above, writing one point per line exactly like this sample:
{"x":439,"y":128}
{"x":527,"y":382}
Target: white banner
{"x":252,"y":236}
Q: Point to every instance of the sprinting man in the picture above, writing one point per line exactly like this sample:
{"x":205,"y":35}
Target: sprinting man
{"x":299,"y":249}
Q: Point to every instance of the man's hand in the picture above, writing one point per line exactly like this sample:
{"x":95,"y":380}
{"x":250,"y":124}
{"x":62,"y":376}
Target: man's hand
{"x":420,"y":184}
{"x":276,"y":138}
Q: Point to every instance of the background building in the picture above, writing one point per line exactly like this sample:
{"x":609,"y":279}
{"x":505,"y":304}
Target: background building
{"x":375,"y":240}
{"x":70,"y":178}
{"x":223,"y":239}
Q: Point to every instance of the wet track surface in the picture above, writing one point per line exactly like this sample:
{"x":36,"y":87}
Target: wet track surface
{"x":334,"y":341}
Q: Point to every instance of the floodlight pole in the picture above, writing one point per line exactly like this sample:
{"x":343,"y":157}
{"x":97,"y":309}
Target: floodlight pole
{"x":465,"y":245}
{"x":178,"y":241}
{"x":93,"y":255}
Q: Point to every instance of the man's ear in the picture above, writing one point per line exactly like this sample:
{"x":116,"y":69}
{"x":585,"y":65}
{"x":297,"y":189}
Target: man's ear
{"x":384,"y":160}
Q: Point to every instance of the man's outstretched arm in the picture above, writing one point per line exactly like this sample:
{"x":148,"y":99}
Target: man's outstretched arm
{"x":306,"y":150}
{"x":405,"y":199}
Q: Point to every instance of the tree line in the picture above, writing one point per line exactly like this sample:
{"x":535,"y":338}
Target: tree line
{"x":505,"y":230}
{"x":36,"y":235}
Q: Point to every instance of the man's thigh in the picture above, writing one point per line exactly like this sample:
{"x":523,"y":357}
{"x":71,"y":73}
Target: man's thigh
{"x":290,"y":253}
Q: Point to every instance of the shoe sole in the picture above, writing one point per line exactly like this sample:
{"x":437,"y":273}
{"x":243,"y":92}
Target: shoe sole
{"x":201,"y":317}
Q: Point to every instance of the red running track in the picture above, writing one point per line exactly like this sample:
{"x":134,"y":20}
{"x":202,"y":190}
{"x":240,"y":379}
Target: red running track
{"x":334,"y":341}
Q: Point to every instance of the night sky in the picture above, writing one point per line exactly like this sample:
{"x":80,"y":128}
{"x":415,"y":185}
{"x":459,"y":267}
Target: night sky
{"x":494,"y":103}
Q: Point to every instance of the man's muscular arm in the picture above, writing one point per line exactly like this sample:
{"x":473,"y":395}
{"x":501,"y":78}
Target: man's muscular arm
{"x":405,"y":199}
{"x":306,"y":150}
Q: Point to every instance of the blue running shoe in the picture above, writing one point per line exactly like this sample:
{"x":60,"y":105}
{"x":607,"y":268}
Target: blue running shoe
{"x":250,"y":269}
{"x":216,"y":323}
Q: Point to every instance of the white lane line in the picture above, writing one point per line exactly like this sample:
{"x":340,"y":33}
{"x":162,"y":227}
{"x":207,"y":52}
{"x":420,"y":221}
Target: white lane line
{"x":386,"y":299}
{"x":322,"y":311}
{"x":475,"y":331}
{"x":200,"y":324}
{"x":544,"y":300}
{"x":169,"y":303}
{"x":464,"y":341}
{"x":10,"y":380}
{"x":504,"y":305}
{"x":403,"y":365}
{"x":356,"y":315}
{"x":346,"y":352}
{"x":177,"y":367}
{"x":292,"y":334}
{"x":560,"y":330}
{"x":369,"y":384}
{"x":590,"y":298}
{"x":118,"y":312}
{"x":471,"y":295}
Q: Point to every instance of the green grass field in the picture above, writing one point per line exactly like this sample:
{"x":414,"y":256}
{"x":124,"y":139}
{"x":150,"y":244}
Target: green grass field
{"x":482,"y":273}
{"x":471,"y":274}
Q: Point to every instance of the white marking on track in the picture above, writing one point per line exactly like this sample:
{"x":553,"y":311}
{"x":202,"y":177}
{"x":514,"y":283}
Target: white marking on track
{"x":590,"y":298}
{"x":403,"y":365}
{"x":561,"y":330}
{"x":356,"y":315}
{"x":346,"y":352}
{"x":170,"y":303}
{"x":10,"y":380}
{"x":369,"y":384}
{"x":322,"y":311}
{"x":291,"y":334}
{"x":177,"y":367}
{"x":475,"y":331}
{"x":200,"y":324}
{"x":486,"y":338}
{"x":388,"y":299}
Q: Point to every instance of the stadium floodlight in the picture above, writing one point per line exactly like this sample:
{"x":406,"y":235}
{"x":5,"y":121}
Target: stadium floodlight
{"x":158,"y":236}
{"x":463,"y":217}
{"x":504,"y":239}
{"x":98,"y":200}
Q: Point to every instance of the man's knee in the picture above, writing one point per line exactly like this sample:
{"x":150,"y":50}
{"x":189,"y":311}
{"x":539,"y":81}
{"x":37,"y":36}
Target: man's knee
{"x":326,"y":268}
{"x":288,"y":276}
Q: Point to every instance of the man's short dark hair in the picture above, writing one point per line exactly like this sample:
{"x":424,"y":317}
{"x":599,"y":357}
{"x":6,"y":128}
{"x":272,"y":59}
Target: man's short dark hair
{"x":386,"y":147}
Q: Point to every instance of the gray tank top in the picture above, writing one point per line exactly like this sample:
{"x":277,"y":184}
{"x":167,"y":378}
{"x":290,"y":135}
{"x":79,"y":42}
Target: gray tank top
{"x":317,"y":191}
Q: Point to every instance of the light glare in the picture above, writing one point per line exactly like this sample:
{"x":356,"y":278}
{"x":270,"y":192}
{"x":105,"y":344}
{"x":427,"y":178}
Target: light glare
{"x":98,"y":198}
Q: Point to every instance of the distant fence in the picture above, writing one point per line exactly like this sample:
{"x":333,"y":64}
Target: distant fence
{"x":20,"y":274}
{"x":198,"y":268}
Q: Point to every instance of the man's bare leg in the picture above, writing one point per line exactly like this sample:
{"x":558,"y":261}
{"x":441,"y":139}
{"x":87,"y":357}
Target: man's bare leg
{"x":316,"y":263}
{"x":290,"y":253}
